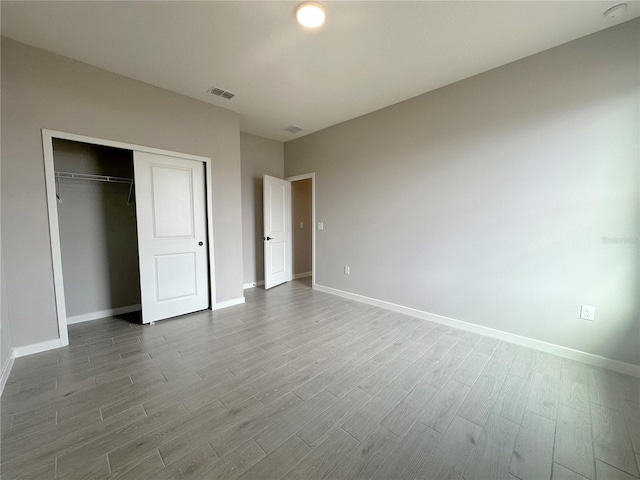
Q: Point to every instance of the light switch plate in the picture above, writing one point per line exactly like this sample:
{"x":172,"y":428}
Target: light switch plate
{"x":588,"y":312}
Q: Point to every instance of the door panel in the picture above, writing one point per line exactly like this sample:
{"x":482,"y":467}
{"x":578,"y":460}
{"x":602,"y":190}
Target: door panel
{"x":277,"y":231}
{"x":277,"y":253}
{"x":172,"y":201}
{"x":175,"y":276}
{"x":172,"y":235}
{"x":277,"y":201}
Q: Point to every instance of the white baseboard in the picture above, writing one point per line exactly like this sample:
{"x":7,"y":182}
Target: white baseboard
{"x":36,"y":348}
{"x":301,"y":275}
{"x":87,"y":317}
{"x":6,"y":370}
{"x":259,"y":283}
{"x":228,"y":303}
{"x":590,"y":358}
{"x":51,"y":344}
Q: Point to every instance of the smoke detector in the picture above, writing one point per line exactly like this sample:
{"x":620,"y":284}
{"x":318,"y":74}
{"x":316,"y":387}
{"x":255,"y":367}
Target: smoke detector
{"x":221,"y":93}
{"x":615,"y":11}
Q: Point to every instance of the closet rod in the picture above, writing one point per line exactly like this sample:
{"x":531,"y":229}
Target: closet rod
{"x":95,"y":178}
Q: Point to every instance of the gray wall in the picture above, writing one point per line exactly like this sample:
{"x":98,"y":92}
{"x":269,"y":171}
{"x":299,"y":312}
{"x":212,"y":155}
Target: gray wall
{"x":43,"y":90}
{"x":98,"y":235}
{"x":301,"y":212}
{"x":487,"y":200}
{"x":260,"y":156}
{"x":6,"y":340}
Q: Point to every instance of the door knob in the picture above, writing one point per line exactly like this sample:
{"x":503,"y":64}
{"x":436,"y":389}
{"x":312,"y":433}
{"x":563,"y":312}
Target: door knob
{"x":200,"y":243}
{"x":267,"y":238}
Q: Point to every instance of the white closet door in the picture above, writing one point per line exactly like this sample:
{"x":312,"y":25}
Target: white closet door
{"x":172,"y":235}
{"x":277,"y":231}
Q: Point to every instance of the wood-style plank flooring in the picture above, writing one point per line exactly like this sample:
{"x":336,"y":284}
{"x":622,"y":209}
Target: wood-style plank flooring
{"x":300,"y":384}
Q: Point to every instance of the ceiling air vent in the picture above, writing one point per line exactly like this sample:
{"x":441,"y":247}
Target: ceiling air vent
{"x":293,"y":129}
{"x":221,"y":93}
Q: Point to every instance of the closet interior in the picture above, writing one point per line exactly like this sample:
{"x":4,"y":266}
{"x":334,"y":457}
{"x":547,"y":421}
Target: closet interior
{"x":98,"y":232}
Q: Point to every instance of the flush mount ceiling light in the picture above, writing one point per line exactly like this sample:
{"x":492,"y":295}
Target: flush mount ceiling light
{"x":310,"y":14}
{"x":615,"y":11}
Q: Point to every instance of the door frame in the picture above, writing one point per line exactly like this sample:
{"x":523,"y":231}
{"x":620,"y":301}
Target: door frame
{"x":295,"y":178}
{"x":52,"y":208}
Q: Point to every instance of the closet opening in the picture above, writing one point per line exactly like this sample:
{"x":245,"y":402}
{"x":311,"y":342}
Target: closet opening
{"x":95,"y":198}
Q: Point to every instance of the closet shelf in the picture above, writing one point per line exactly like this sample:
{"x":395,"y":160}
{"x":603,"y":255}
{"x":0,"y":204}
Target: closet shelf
{"x":92,"y":178}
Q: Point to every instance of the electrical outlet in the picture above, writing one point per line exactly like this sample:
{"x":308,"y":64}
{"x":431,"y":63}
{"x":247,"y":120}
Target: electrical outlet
{"x":587,"y":312}
{"x":301,"y":224}
{"x":347,"y":270}
{"x":320,"y":226}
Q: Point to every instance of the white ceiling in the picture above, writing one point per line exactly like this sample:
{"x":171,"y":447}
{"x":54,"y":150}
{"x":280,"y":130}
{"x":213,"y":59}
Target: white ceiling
{"x":369,"y":54}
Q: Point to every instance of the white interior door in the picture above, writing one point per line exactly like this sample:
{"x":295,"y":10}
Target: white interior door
{"x":277,"y":231}
{"x":172,"y":235}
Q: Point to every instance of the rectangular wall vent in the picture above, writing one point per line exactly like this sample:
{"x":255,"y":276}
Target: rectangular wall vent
{"x":221,"y":93}
{"x":292,"y":129}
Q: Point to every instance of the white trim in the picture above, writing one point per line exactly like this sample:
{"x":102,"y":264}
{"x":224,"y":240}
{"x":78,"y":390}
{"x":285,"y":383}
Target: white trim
{"x":6,"y":370}
{"x":590,"y":358}
{"x":312,"y":176}
{"x":229,"y":303}
{"x":54,"y":228}
{"x":208,"y":172}
{"x":302,"y":275}
{"x":87,"y":317}
{"x":37,"y":347}
{"x":54,"y":236}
